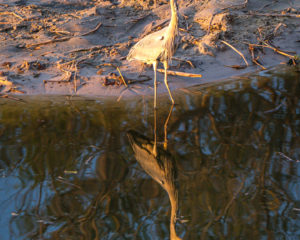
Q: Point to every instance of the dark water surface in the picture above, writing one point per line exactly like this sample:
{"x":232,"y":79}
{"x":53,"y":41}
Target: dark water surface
{"x":68,"y":170}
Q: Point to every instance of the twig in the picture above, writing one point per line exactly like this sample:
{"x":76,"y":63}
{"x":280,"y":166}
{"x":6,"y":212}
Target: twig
{"x":12,"y":13}
{"x":236,"y":51}
{"x":112,"y":65}
{"x":268,"y":46}
{"x":94,"y":30}
{"x":138,"y":81}
{"x":257,"y":63}
{"x":275,"y":109}
{"x":272,"y":44}
{"x":183,"y":74}
{"x":236,"y":66}
{"x":267,"y":5}
{"x":6,"y":96}
{"x":48,"y":42}
{"x":251,"y":48}
{"x":66,"y":181}
{"x":273,"y":15}
{"x":182,"y":60}
{"x":15,"y":90}
{"x":289,"y":159}
{"x":243,"y":5}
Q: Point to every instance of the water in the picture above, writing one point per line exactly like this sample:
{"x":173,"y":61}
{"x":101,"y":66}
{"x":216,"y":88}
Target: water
{"x":68,"y":170}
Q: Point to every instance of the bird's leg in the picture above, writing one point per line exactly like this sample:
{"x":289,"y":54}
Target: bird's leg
{"x":165,"y":128}
{"x":155,"y":84}
{"x":143,"y":65}
{"x":155,"y":140}
{"x":166,"y":80}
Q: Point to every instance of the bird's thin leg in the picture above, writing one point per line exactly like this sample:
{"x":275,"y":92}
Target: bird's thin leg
{"x":143,"y":66}
{"x":155,"y":84}
{"x":155,"y":140}
{"x":166,"y":80}
{"x":165,"y":128}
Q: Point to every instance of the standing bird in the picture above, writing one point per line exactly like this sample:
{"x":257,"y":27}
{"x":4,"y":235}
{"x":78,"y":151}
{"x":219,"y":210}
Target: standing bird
{"x":159,"y":46}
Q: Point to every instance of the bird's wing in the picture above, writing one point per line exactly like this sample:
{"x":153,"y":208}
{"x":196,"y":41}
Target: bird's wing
{"x":150,"y":48}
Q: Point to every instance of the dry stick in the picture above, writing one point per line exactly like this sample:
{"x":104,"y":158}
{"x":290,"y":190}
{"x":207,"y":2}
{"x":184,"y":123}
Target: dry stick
{"x":112,"y":65}
{"x":183,"y":74}
{"x":251,"y":48}
{"x":267,"y":5}
{"x":275,"y":109}
{"x":6,"y":96}
{"x":12,"y":13}
{"x":94,"y":30}
{"x":276,"y":50}
{"x":48,"y":42}
{"x":182,"y":60}
{"x":274,"y":15}
{"x":281,"y":154}
{"x":255,"y":61}
{"x":139,"y":81}
{"x":272,"y":44}
{"x":238,"y":5}
{"x":236,"y":51}
{"x":66,"y":181}
{"x":268,"y":46}
{"x":92,"y":48}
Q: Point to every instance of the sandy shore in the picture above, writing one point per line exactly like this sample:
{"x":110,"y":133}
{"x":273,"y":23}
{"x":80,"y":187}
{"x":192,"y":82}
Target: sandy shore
{"x":65,"y":40}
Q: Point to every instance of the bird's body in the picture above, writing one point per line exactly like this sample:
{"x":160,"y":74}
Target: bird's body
{"x":159,"y":46}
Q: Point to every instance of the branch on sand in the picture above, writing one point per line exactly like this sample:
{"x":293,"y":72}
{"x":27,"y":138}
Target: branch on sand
{"x":48,"y":42}
{"x":112,"y":65}
{"x":183,"y":74}
{"x":255,"y":60}
{"x":236,"y":51}
{"x":274,"y":15}
{"x":92,"y":31}
{"x":243,"y":5}
{"x":6,"y":96}
{"x":183,"y":60}
{"x":12,"y":13}
{"x":267,"y":45}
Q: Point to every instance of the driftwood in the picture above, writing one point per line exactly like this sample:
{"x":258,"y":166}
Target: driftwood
{"x":183,"y":74}
{"x":92,"y":31}
{"x":269,"y":4}
{"x":273,"y":15}
{"x":183,"y":60}
{"x":48,"y":42}
{"x":236,"y":51}
{"x":11,"y":13}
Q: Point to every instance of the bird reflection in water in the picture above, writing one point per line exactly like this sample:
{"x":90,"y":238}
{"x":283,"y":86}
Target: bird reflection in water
{"x":160,"y":165}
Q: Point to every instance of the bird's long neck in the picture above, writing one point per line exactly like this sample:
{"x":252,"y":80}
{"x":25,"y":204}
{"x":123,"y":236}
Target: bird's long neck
{"x":174,"y":10}
{"x":174,"y":207}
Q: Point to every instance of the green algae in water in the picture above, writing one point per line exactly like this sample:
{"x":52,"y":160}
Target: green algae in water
{"x":238,"y":169}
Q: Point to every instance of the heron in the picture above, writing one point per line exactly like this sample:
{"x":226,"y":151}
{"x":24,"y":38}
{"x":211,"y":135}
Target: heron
{"x":159,"y":46}
{"x":158,"y":162}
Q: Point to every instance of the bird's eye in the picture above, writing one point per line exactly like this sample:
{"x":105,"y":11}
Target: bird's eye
{"x":162,"y":182}
{"x":161,"y":38}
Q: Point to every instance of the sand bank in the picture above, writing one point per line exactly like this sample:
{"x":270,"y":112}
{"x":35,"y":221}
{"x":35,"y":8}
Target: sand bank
{"x":65,"y":40}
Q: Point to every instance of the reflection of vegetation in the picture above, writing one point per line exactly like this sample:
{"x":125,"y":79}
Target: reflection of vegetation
{"x":233,"y":181}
